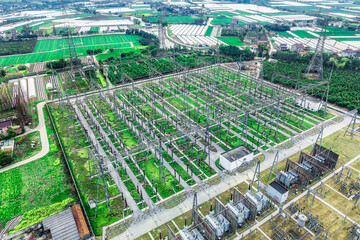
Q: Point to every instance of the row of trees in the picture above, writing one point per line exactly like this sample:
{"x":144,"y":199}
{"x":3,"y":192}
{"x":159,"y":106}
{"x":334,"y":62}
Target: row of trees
{"x":17,"y":46}
{"x":345,"y":81}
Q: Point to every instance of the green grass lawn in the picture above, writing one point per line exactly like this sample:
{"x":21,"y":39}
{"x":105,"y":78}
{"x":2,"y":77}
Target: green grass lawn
{"x":232,"y":41}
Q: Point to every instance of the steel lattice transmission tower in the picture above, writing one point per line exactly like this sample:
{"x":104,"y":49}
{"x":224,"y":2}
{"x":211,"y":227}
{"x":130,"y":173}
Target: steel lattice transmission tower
{"x":316,"y":63}
{"x":74,"y":61}
{"x":161,"y":33}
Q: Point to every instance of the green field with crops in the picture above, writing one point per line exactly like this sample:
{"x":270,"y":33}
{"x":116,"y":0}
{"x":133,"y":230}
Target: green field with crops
{"x":222,"y":20}
{"x":174,"y":19}
{"x":53,"y":49}
{"x":232,"y":41}
{"x":285,"y":34}
{"x":303,"y":34}
{"x":339,"y":32}
{"x":34,"y":185}
{"x":209,"y":31}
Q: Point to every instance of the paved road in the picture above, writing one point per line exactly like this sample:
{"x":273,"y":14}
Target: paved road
{"x":44,"y":140}
{"x":138,"y":229}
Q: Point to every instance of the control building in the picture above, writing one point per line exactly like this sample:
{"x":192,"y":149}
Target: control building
{"x":234,"y":158}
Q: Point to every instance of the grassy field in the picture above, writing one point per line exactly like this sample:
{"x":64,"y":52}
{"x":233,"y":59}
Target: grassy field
{"x":303,"y":34}
{"x":53,"y":49}
{"x":37,"y":184}
{"x":209,"y":31}
{"x":232,"y":41}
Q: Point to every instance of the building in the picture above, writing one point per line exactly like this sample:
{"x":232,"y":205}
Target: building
{"x":348,"y":53}
{"x":283,"y":47}
{"x":309,"y":103}
{"x":69,"y":224}
{"x":233,"y":159}
{"x":299,"y":47}
{"x":3,"y":127}
{"x":7,"y":145}
{"x":277,"y":192}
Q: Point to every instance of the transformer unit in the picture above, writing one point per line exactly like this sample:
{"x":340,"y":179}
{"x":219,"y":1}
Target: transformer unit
{"x":288,"y":178}
{"x":243,"y":209}
{"x":238,"y":212}
{"x":193,"y":235}
{"x":357,"y":235}
{"x":219,"y":223}
{"x":320,"y":158}
{"x":254,"y":200}
{"x":308,"y":167}
{"x":262,"y":198}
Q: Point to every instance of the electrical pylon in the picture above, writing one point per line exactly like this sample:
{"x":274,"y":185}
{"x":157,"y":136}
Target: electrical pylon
{"x":161,"y":33}
{"x":74,"y":62}
{"x":316,"y":63}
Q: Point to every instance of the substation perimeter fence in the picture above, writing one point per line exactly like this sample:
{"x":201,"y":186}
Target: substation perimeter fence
{"x":316,"y":130}
{"x":67,"y":164}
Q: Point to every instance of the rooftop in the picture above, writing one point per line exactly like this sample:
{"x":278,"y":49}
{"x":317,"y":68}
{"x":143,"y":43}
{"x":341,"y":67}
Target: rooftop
{"x":278,"y":187}
{"x":62,"y":226}
{"x":5,"y":124}
{"x":236,"y":153}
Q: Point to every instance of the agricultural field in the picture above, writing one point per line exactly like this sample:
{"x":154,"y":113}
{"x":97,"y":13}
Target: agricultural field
{"x":285,"y":34}
{"x":209,"y":31}
{"x":221,"y":20}
{"x":54,"y":49}
{"x":38,"y":184}
{"x":303,"y":34}
{"x":174,"y":19}
{"x":232,"y":41}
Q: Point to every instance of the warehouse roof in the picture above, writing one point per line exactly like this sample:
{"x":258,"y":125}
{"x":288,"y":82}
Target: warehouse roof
{"x":236,"y":153}
{"x":278,"y":187}
{"x":62,"y":226}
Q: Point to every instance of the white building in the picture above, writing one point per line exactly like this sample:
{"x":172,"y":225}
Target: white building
{"x":309,"y":103}
{"x":277,"y":192}
{"x":234,"y":158}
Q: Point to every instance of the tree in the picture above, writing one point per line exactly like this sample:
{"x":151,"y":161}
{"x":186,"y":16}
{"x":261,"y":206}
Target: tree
{"x":2,"y":73}
{"x":5,"y":158}
{"x":11,"y":132}
{"x":111,"y":50}
{"x":89,"y":52}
